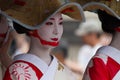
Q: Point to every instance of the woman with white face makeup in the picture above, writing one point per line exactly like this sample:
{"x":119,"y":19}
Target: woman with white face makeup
{"x":105,"y":65}
{"x":43,"y":24}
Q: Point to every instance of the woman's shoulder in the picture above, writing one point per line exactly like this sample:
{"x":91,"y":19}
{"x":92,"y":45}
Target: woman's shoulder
{"x":100,"y":56}
{"x":22,"y":69}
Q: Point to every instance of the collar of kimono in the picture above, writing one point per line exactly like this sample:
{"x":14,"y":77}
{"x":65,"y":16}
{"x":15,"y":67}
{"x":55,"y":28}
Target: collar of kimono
{"x":40,"y":64}
{"x":43,"y":42}
{"x":111,"y":52}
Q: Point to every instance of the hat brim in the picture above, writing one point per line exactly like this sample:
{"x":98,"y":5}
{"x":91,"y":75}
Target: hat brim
{"x":75,"y":6}
{"x":95,"y":5}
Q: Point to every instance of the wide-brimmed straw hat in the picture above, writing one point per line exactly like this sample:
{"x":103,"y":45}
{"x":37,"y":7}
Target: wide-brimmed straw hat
{"x":110,"y":20}
{"x":31,"y":14}
{"x":92,"y":6}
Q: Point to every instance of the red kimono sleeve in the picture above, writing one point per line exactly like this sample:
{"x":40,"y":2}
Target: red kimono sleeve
{"x":96,"y":70}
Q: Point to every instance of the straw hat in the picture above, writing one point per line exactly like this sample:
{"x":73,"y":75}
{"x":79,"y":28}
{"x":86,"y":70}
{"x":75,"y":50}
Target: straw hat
{"x":113,"y":4}
{"x":31,"y":14}
{"x":92,"y":6}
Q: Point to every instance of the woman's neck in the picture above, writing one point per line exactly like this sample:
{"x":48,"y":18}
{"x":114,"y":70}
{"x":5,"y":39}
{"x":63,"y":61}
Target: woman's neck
{"x":116,"y":40}
{"x":40,"y":51}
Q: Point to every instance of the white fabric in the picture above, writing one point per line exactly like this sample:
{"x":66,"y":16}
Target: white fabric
{"x":17,"y":52}
{"x":41,"y":65}
{"x":64,"y":74}
{"x":50,"y":73}
{"x":117,"y":76}
{"x":111,"y":52}
{"x":85,"y":54}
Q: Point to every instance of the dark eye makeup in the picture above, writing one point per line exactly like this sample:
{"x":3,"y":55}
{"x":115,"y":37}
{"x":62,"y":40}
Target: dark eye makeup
{"x":49,"y":23}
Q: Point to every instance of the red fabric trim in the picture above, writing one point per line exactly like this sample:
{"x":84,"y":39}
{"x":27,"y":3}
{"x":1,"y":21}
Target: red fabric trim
{"x":98,"y":71}
{"x":113,"y":67}
{"x":43,"y":42}
{"x":38,"y":72}
{"x":7,"y":75}
{"x":102,"y":71}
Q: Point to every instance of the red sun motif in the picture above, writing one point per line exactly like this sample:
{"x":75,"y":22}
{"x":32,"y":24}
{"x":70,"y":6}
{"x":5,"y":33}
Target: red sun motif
{"x":22,"y":71}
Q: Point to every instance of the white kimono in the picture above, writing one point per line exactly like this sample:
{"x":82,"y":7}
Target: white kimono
{"x":30,"y":67}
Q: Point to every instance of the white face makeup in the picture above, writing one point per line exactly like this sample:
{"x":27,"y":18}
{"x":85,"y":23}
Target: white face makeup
{"x":3,"y":29}
{"x":52,"y":30}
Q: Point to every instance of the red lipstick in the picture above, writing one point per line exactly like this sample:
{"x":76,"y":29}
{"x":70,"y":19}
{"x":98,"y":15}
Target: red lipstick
{"x":54,"y":39}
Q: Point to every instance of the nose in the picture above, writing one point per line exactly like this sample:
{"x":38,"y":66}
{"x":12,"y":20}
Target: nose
{"x":55,"y":30}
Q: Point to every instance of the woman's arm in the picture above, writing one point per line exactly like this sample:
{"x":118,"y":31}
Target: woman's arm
{"x":96,"y":70}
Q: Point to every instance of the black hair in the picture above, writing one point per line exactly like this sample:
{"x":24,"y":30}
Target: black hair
{"x":20,"y":29}
{"x":109,"y":22}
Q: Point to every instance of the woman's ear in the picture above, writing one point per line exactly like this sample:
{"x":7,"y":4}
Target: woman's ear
{"x":30,"y":33}
{"x":33,"y":33}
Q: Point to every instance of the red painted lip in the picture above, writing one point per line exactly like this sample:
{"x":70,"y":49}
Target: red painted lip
{"x":54,"y":39}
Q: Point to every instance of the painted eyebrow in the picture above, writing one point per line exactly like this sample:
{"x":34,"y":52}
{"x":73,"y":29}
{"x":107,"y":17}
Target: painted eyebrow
{"x":54,"y":19}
